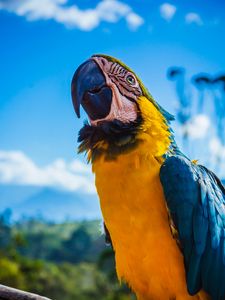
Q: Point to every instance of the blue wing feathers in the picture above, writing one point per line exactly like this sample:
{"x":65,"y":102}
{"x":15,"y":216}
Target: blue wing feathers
{"x":223,"y":250}
{"x":200,"y":224}
{"x":196,"y":200}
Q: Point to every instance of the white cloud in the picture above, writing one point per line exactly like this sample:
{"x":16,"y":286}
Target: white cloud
{"x":167,"y":11}
{"x":71,"y":16}
{"x":217,"y":148}
{"x":134,"y":21}
{"x":17,"y":168}
{"x":193,"y":18}
{"x":197,"y":127}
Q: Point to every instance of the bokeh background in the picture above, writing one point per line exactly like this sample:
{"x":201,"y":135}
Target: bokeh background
{"x":50,"y":225}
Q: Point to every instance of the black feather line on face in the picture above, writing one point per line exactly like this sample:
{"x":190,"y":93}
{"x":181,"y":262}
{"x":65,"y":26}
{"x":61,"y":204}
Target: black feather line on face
{"x":119,"y":138}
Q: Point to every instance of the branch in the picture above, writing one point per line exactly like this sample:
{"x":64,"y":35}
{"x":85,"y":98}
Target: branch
{"x":8,"y":293}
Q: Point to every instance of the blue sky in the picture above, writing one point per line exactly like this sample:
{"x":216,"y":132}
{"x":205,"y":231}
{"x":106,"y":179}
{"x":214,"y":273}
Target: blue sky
{"x":43,"y":42}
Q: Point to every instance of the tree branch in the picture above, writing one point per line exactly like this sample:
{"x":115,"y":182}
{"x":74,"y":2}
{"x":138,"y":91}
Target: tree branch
{"x":8,"y":293}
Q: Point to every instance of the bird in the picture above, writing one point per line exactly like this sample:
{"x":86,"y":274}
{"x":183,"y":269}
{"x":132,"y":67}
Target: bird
{"x":163,"y":213}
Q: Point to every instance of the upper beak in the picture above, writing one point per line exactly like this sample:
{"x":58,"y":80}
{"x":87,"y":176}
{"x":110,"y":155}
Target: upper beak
{"x":89,"y":89}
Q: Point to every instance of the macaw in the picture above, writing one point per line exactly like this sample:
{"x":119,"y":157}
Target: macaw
{"x":165,"y":214}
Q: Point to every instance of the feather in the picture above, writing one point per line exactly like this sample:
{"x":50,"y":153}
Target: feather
{"x":195,"y":196}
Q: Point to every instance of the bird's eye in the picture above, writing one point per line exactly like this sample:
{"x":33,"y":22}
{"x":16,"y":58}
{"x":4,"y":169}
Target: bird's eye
{"x":130,"y":79}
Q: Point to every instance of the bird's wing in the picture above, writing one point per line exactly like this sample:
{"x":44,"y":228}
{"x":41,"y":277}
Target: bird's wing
{"x":196,"y":200}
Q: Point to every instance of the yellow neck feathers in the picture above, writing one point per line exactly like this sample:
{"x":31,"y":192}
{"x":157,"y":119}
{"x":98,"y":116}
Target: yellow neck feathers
{"x":152,"y":137}
{"x":154,"y":131}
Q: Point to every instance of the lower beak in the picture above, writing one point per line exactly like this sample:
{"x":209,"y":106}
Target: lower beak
{"x":89,"y":89}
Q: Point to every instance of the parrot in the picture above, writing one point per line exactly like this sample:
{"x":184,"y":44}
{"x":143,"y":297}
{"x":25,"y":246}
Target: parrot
{"x":163,"y":213}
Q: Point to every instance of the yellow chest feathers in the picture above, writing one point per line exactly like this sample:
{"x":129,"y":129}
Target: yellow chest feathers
{"x":135,"y":214}
{"x":134,"y":211}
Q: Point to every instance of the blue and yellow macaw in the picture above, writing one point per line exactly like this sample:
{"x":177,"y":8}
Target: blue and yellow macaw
{"x":165,"y":214}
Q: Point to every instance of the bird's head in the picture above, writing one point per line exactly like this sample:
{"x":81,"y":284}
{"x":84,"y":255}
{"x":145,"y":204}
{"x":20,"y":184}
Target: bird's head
{"x":121,"y":111}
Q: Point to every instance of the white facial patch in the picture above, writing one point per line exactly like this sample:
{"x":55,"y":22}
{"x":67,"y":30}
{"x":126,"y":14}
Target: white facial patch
{"x":122,"y":109}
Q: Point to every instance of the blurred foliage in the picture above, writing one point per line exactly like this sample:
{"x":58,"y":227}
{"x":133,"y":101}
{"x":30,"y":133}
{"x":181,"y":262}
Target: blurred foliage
{"x":61,"y":261}
{"x":208,"y":86}
{"x":200,"y":113}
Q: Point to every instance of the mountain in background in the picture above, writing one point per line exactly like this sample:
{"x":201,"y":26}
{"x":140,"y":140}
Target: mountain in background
{"x":48,"y":203}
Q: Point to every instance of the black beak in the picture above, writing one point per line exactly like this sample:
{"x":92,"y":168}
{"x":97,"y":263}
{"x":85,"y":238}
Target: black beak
{"x":89,"y":89}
